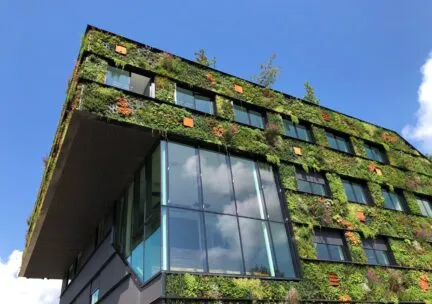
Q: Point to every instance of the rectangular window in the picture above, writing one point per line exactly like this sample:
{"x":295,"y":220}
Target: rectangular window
{"x":375,"y":152}
{"x":311,"y":182}
{"x":329,"y":245}
{"x":248,"y":117}
{"x":94,"y":296}
{"x":194,"y":100}
{"x":356,"y":192}
{"x":425,"y":206}
{"x":129,"y":81}
{"x":394,"y":200}
{"x":299,"y":131}
{"x":377,"y":251}
{"x":339,"y":142}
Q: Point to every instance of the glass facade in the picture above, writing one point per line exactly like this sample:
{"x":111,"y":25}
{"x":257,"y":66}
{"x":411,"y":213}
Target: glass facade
{"x":377,"y":251}
{"x":375,"y":153}
{"x":248,"y":116}
{"x":329,"y":245}
{"x":298,"y":131}
{"x":195,"y":210}
{"x":311,"y":182}
{"x":193,"y":100}
{"x":356,"y":192}
{"x":394,"y":200}
{"x":338,"y":142}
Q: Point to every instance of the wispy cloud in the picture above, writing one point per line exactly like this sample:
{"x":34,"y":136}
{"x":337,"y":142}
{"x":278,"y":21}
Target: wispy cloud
{"x":422,"y":131}
{"x":15,"y":290}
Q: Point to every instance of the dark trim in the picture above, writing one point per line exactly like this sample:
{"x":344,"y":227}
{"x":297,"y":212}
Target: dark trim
{"x":91,"y":27}
{"x":114,"y":287}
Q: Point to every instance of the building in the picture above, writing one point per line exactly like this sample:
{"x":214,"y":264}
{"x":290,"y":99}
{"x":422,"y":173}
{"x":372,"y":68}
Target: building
{"x":169,"y":181}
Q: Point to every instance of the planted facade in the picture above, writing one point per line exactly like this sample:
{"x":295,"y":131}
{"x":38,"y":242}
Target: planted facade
{"x":170,"y":181}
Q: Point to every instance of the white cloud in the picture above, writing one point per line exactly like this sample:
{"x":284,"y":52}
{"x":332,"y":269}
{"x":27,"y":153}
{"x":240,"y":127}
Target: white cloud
{"x":15,"y":290}
{"x":422,"y":131}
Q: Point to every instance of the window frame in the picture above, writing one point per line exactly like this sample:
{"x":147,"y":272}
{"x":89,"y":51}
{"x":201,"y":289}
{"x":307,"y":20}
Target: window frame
{"x":365,"y":188}
{"x":325,"y":233}
{"x":422,"y":200}
{"x":326,"y":186}
{"x":376,"y":147}
{"x":388,"y":251}
{"x":344,"y":137}
{"x":247,"y":110}
{"x":266,"y":220}
{"x":306,"y":125}
{"x":195,"y":93}
{"x":401,"y":198}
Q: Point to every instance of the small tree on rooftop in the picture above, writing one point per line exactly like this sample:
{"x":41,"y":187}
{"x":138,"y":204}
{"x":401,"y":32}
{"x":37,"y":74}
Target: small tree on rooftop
{"x":268,"y":74}
{"x":310,"y":93}
{"x":201,"y":58}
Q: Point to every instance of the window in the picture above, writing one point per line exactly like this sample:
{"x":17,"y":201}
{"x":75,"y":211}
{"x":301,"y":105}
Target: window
{"x":338,"y":142}
{"x":377,"y":251}
{"x":129,"y":81}
{"x":425,"y":206}
{"x":298,"y":131}
{"x":311,"y":182}
{"x":94,"y":296}
{"x":230,"y":218}
{"x":394,"y":200}
{"x":193,"y":100}
{"x":375,"y":153}
{"x":248,"y":117}
{"x":356,"y":192}
{"x":330,"y":245}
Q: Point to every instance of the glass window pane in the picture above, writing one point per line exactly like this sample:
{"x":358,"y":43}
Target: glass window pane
{"x":379,"y":156}
{"x":382,"y":257}
{"x":331,"y":141}
{"x":322,"y":252}
{"x":304,"y":186}
{"x":185,"y":98}
{"x":240,"y":114}
{"x":204,"y":104}
{"x":303,"y":133}
{"x":285,"y":266}
{"x":397,"y":201}
{"x":289,"y":129}
{"x":183,"y":174}
{"x":371,"y":256}
{"x":216,"y":182}
{"x":152,"y":246}
{"x":318,"y":189}
{"x":369,"y":152}
{"x":247,"y":188}
{"x":349,"y":191}
{"x":388,"y":203}
{"x":139,"y":83}
{"x":271,"y":194}
{"x":223,"y":244}
{"x":342,"y":144}
{"x":256,"y":247}
{"x":336,"y":253}
{"x":422,"y":207}
{"x":95,"y":296}
{"x":360,"y":193}
{"x":186,"y":243}
{"x":118,"y":78}
{"x":256,"y":119}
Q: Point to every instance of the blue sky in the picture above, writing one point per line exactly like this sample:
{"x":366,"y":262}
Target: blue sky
{"x":362,"y":57}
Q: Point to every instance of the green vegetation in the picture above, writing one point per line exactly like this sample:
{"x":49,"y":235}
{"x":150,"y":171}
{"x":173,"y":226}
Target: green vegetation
{"x":268,"y":73}
{"x":201,"y":58}
{"x":310,"y":93}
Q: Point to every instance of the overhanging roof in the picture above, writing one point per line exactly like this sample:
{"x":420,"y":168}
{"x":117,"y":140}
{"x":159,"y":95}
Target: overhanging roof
{"x":97,"y":160}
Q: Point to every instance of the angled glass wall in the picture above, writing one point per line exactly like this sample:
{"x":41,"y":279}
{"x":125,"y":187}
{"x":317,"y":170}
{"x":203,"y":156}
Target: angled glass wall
{"x":194,"y":210}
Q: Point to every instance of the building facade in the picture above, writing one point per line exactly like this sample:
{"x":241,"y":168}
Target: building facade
{"x":169,"y":181}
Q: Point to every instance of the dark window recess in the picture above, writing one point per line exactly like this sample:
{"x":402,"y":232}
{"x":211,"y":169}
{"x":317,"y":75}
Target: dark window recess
{"x":339,"y":142}
{"x":377,"y":251}
{"x":194,"y":100}
{"x":375,"y":152}
{"x":394,"y":200}
{"x":128,"y":81}
{"x":248,"y":116}
{"x":330,"y":245}
{"x":311,"y":182}
{"x":299,"y":131}
{"x":357,"y":192}
{"x":425,"y":206}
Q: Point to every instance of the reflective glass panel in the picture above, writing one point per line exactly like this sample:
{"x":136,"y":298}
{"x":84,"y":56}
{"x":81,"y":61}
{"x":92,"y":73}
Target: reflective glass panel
{"x":332,"y":141}
{"x":118,"y":78}
{"x":289,"y":129}
{"x":240,"y":114}
{"x":204,"y":104}
{"x":216,"y":182}
{"x":360,"y":193}
{"x":303,"y":133}
{"x":186,"y":240}
{"x":284,"y":266}
{"x":183,"y":176}
{"x":256,"y":249}
{"x":256,"y":119}
{"x":185,"y":98}
{"x":349,"y":191}
{"x":271,"y":194}
{"x":223,"y":244}
{"x":322,"y":252}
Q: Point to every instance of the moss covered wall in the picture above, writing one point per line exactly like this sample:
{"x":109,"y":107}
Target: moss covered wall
{"x":409,"y":233}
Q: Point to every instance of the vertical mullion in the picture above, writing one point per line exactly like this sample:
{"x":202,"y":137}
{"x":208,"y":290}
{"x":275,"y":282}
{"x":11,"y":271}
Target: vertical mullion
{"x":201,"y":199}
{"x":164,"y":167}
{"x":228,"y":158}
